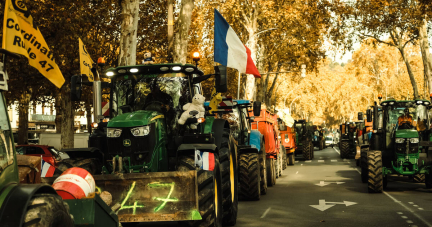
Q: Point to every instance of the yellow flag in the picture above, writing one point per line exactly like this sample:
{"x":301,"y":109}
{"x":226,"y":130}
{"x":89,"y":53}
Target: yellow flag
{"x":23,"y":37}
{"x":216,"y":98}
{"x":85,"y":61}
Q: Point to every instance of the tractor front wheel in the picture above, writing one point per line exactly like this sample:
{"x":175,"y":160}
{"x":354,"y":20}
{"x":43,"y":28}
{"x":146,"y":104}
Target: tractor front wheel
{"x":209,"y":192}
{"x":48,"y":210}
{"x":364,"y":167}
{"x":250,"y":177}
{"x":375,"y":175}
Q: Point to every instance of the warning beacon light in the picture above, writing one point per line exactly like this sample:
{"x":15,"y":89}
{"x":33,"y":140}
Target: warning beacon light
{"x":196,"y":57}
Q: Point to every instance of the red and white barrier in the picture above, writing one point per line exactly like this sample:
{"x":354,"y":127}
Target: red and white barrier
{"x":74,"y":183}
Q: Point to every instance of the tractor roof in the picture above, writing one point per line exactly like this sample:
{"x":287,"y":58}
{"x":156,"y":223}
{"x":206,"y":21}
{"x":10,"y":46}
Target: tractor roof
{"x":403,"y":103}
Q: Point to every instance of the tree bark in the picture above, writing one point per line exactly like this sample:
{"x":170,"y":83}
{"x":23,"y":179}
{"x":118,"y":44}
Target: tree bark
{"x":129,"y":27}
{"x":250,"y":79}
{"x":424,"y":47}
{"x":182,"y":36}
{"x":410,"y":72}
{"x":67,"y":123}
{"x":23,"y":111}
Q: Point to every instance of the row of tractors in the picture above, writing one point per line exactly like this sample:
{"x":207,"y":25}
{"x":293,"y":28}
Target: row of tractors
{"x":394,"y":139}
{"x":162,"y":154}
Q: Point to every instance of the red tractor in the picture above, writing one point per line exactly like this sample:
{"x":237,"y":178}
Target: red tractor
{"x":288,"y":139}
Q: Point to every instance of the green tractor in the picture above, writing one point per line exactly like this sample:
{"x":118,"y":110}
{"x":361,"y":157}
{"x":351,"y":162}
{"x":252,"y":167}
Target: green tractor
{"x":400,"y":142}
{"x":155,"y":167}
{"x":304,"y":137}
{"x":23,"y":204}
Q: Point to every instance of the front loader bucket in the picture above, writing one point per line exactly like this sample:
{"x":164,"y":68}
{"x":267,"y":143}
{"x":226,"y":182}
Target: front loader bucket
{"x":150,"y":197}
{"x":156,"y":196}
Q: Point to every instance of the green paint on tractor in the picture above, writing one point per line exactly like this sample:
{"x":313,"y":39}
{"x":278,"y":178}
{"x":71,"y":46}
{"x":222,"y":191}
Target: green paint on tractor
{"x":164,"y":200}
{"x":133,"y":119}
{"x":407,"y":133}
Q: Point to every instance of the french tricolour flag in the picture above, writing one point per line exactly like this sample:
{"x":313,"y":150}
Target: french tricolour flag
{"x":229,"y":50}
{"x":204,"y":160}
{"x":47,"y":169}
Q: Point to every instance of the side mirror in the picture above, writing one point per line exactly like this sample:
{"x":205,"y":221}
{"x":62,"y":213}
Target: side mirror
{"x":360,"y":116}
{"x":76,"y":87}
{"x":257,"y":108}
{"x":221,"y":79}
{"x":369,"y":115}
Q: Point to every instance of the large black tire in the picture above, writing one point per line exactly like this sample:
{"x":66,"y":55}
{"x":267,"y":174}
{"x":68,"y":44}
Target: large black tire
{"x":364,"y":167}
{"x":263,"y":169}
{"x":250,"y":184}
{"x":312,"y":150}
{"x":419,"y":178}
{"x":291,"y":158}
{"x":344,"y":149}
{"x":209,"y":182}
{"x":284,"y":158}
{"x":227,"y":159}
{"x":271,"y":173}
{"x":375,"y":176}
{"x":47,"y":210}
{"x":307,"y":152}
{"x":428,"y":181}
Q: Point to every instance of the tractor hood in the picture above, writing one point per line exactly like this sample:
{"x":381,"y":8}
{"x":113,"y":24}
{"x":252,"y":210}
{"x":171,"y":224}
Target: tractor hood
{"x":134,"y":119}
{"x":407,"y":133}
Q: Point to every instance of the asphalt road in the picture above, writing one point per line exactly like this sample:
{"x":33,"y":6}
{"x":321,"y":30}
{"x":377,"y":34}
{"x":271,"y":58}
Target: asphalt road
{"x":328,"y":191}
{"x":332,"y":181}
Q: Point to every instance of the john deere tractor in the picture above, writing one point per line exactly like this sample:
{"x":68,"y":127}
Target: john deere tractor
{"x":155,"y":168}
{"x":304,"y":137}
{"x":400,"y":142}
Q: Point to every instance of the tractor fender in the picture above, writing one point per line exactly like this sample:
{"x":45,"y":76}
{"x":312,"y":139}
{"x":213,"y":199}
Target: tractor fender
{"x":91,"y":152}
{"x":255,"y":138}
{"x":217,"y":128}
{"x":247,"y":150}
{"x":14,"y":207}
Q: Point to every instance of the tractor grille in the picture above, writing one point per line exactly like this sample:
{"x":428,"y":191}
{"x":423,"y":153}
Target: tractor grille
{"x":401,"y":148}
{"x":140,"y":149}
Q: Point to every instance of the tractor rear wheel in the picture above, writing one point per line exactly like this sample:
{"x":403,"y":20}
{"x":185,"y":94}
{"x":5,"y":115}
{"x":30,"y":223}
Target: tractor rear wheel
{"x":375,"y":176}
{"x":284,"y":158}
{"x":364,"y":167}
{"x":47,"y":210}
{"x":419,"y":178}
{"x":250,"y":177}
{"x":307,"y":152}
{"x":263,"y":169}
{"x":291,"y":159}
{"x":271,"y":175}
{"x":209,"y":192}
{"x":344,"y":149}
{"x":428,"y":181}
{"x":227,"y":159}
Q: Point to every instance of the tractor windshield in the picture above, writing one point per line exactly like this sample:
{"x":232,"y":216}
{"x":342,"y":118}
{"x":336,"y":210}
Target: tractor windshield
{"x":417,"y":112}
{"x":299,"y":128}
{"x":137,"y":92}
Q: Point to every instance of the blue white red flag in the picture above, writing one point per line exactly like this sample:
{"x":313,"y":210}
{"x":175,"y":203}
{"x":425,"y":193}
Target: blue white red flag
{"x":229,"y":50}
{"x":47,"y":169}
{"x":204,"y":160}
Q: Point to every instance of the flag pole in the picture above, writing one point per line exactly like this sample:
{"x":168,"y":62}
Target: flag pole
{"x":238,"y":86}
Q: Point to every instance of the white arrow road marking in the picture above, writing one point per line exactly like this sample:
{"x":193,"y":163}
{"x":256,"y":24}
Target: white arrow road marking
{"x":323,"y":183}
{"x":336,"y":150}
{"x":322,"y":205}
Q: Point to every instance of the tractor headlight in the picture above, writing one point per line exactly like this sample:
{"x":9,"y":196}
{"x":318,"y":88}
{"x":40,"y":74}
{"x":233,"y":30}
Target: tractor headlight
{"x":414,"y":140}
{"x":400,"y":140}
{"x":141,"y":131}
{"x":113,"y":132}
